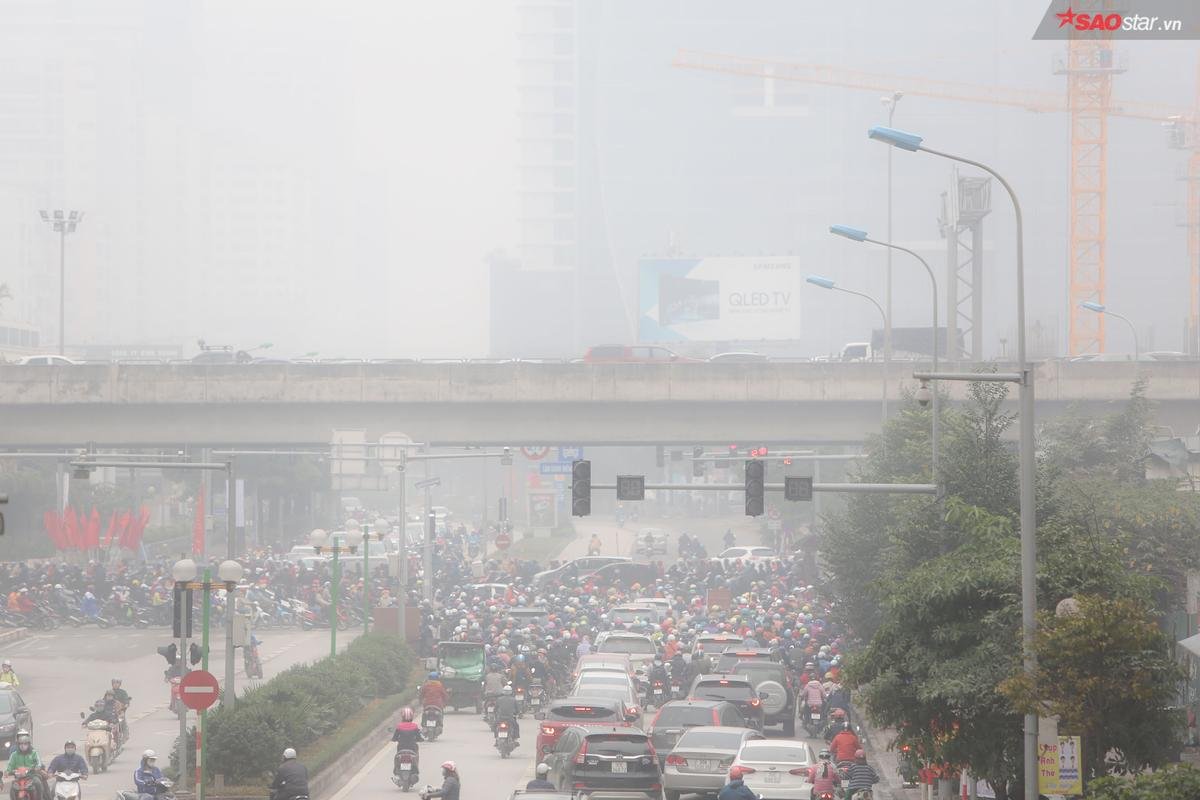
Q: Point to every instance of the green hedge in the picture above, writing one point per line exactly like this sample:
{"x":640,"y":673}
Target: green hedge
{"x":1181,"y":782}
{"x":300,"y":705}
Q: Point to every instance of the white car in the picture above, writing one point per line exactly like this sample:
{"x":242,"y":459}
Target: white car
{"x":47,"y":361}
{"x":776,"y":769}
{"x":752,"y":554}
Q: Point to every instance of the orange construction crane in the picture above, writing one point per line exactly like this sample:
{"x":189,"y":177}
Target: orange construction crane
{"x":1089,"y":66}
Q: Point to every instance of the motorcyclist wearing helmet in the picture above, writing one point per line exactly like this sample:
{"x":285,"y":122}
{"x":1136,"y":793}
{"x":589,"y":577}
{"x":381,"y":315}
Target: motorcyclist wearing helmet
{"x":814,"y":695}
{"x":506,"y":710}
{"x":845,"y":744}
{"x":450,"y":783}
{"x":7,"y":675}
{"x":433,"y":692}
{"x":859,"y":776}
{"x":147,"y":775}
{"x":69,"y":761}
{"x":291,"y":779}
{"x":736,"y":789}
{"x":120,"y":694}
{"x":837,"y":721}
{"x":541,"y":782}
{"x":407,"y":733}
{"x":823,"y":775}
{"x":26,"y":757}
{"x":493,"y":682}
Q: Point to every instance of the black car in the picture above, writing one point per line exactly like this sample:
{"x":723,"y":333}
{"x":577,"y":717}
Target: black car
{"x":595,"y":759}
{"x":624,"y":575}
{"x":733,"y":655}
{"x":14,"y":716}
{"x":775,"y":688}
{"x":736,"y":689}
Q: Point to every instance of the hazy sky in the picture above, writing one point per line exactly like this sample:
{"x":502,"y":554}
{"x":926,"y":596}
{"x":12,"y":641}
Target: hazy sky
{"x":329,"y":176}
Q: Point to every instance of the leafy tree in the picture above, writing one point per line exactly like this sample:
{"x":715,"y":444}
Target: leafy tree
{"x":1174,"y":783}
{"x":1107,"y":673}
{"x":944,"y":645}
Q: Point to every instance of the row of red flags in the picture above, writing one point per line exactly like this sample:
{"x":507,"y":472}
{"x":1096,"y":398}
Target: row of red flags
{"x":80,"y":531}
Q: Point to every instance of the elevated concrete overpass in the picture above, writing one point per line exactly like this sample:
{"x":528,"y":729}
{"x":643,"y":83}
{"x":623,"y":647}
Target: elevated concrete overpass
{"x":515,"y":403}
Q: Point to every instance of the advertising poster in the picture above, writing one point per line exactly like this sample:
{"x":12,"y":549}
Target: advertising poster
{"x":741,"y":298}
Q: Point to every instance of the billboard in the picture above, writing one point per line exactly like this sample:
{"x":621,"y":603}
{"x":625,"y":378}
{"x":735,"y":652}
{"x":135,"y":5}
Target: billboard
{"x":718,"y":299}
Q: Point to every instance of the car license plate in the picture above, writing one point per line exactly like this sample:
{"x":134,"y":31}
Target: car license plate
{"x":405,"y":766}
{"x":620,"y":766}
{"x":774,"y":777}
{"x":706,"y":765}
{"x":503,"y":734}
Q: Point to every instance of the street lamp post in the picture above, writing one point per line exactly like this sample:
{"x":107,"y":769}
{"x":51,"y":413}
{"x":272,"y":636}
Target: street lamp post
{"x":891,"y":102}
{"x":1024,"y":381}
{"x":183,"y":571}
{"x":1100,"y":308}
{"x":62,"y":223}
{"x":857,"y":235}
{"x":318,"y":538}
{"x":827,"y":283}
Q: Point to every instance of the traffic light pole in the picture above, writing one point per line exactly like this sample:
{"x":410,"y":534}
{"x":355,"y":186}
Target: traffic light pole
{"x":183,"y":596}
{"x":851,"y":488}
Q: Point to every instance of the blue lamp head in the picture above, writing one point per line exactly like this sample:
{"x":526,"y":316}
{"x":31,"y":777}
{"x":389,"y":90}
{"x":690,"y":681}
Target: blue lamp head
{"x":848,"y":232}
{"x":1099,"y":308}
{"x":817,"y":280}
{"x":901,"y":139}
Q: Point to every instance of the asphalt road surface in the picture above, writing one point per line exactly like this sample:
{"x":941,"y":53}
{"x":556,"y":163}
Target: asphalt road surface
{"x":63,"y":672}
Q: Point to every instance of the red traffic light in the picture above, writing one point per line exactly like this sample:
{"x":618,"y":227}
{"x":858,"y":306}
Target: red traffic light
{"x":733,"y":448}
{"x":787,"y":461}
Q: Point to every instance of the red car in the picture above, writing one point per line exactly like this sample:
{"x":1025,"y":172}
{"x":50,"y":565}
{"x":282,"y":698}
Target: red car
{"x":562,"y":714}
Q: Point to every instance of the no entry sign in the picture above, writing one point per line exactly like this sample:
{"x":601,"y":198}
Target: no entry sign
{"x":503,"y":540}
{"x":199,"y":689}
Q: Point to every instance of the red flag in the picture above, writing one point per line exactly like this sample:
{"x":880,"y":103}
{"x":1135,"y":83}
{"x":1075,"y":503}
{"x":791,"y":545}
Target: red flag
{"x":71,"y":523}
{"x":112,"y":529}
{"x":54,"y":529}
{"x":92,"y":540}
{"x":198,"y":524}
{"x":137,"y":527}
{"x":123,"y":522}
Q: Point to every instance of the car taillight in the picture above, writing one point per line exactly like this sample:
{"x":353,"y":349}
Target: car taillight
{"x":756,"y":702}
{"x":580,"y":756}
{"x":548,"y":730}
{"x":676,"y":761}
{"x":798,"y":771}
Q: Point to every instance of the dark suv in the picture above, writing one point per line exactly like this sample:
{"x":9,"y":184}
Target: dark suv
{"x":736,"y":689}
{"x":775,"y":688}
{"x":605,"y":759}
{"x":678,"y":715}
{"x":732,"y":655}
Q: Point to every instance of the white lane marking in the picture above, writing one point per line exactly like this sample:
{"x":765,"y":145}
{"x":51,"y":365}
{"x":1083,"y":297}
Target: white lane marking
{"x":353,"y":783}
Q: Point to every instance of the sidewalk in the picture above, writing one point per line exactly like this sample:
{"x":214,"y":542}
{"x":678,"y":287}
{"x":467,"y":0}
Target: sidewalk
{"x":885,"y":761}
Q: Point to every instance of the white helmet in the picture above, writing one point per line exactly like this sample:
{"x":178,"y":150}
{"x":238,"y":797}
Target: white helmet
{"x":149,"y":754}
{"x":543,"y":769}
{"x":289,"y":753}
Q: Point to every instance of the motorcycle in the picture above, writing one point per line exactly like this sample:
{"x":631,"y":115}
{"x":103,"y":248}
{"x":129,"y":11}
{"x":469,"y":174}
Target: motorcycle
{"x":505,"y":743}
{"x":656,"y":695}
{"x":25,"y":785}
{"x":251,"y":661}
{"x":99,"y":747}
{"x":910,"y":766}
{"x":489,"y":710}
{"x":812,"y":721}
{"x":404,"y":769}
{"x":66,"y":785}
{"x":519,"y":699}
{"x":431,"y":722}
{"x":162,"y":791}
{"x":537,"y":694}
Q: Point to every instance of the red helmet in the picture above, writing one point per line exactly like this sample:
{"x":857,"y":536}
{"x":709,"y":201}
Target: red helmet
{"x":406,"y":714}
{"x":736,"y":772}
{"x":838,"y":713}
{"x":450,"y":766}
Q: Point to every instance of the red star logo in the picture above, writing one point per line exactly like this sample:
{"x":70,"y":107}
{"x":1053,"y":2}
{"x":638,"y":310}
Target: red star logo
{"x":1066,"y":19}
